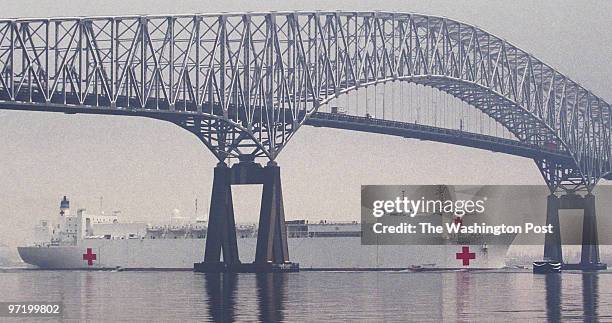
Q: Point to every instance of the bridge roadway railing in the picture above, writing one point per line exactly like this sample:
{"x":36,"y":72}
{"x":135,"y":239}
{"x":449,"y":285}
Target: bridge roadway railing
{"x":425,"y":132}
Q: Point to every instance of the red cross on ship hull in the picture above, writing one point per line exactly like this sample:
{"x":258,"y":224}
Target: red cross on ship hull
{"x":89,"y":256}
{"x":465,"y":255}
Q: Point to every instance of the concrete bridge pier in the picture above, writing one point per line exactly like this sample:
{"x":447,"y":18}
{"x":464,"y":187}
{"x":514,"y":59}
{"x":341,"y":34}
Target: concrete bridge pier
{"x":221,"y":233}
{"x":272,"y":254}
{"x":590,"y":242}
{"x":589,"y":259}
{"x":552,"y":241}
{"x":272,"y":232}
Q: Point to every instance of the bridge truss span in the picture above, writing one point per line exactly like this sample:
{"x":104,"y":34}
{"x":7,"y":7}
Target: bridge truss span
{"x":245,"y":82}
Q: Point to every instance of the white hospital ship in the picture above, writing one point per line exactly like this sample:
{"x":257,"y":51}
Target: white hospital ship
{"x":85,"y":241}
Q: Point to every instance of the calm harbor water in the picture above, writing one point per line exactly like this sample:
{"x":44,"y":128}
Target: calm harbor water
{"x":315,"y":296}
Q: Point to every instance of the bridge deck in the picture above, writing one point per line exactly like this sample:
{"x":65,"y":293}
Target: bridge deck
{"x":424,"y":132}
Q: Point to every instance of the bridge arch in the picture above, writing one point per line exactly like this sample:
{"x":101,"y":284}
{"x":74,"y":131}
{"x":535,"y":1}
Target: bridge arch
{"x":532,"y":131}
{"x":481,"y":98}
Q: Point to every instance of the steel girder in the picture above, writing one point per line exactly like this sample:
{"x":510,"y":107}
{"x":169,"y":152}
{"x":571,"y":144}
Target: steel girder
{"x":245,"y":82}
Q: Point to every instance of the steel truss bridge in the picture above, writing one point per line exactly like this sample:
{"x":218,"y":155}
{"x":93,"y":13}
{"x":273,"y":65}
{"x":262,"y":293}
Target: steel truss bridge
{"x":244,"y":83}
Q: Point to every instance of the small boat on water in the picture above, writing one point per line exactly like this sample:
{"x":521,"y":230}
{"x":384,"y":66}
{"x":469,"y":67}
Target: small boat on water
{"x":545,"y":267}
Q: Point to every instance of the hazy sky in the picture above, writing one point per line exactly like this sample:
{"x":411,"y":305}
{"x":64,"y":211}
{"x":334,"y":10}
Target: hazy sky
{"x":147,"y":168}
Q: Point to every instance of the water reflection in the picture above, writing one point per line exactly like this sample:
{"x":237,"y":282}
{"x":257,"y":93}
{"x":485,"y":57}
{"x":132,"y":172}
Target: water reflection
{"x":221,"y":291}
{"x":463,"y":295}
{"x":221,"y":295}
{"x":590,"y":296}
{"x":270,"y":296}
{"x":553,"y":297}
{"x":317,"y":296}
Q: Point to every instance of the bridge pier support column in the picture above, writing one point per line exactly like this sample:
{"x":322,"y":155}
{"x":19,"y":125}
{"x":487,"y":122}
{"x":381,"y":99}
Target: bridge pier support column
{"x":272,"y":253}
{"x":590,"y":243}
{"x":272,"y":232}
{"x":221,"y":234}
{"x":552,"y":241}
{"x":589,"y":258}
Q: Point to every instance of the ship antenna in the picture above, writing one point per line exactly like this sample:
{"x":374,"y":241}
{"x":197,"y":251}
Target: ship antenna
{"x":196,"y":208}
{"x":101,"y":209}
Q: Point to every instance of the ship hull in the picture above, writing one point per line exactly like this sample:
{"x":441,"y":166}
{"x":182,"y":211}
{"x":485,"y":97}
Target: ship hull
{"x":332,"y":253}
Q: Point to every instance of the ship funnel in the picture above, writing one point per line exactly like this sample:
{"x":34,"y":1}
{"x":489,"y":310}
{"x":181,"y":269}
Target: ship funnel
{"x":64,"y":207}
{"x":64,"y":204}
